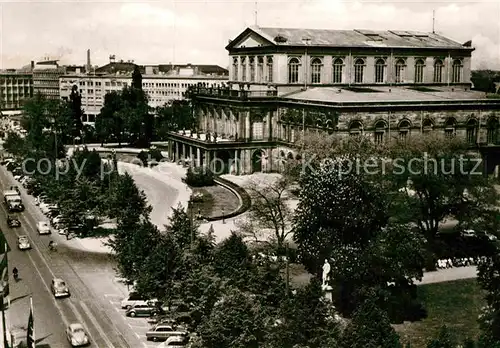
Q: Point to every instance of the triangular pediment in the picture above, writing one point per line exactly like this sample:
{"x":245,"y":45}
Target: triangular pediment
{"x":252,"y":40}
{"x":247,"y":39}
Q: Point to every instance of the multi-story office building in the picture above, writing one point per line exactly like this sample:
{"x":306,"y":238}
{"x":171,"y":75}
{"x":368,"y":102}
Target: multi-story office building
{"x":382,"y":84}
{"x":15,"y":87}
{"x":46,"y":78}
{"x":162,"y":83}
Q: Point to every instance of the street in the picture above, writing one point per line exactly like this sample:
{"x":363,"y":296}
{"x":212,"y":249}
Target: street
{"x":37,"y":267}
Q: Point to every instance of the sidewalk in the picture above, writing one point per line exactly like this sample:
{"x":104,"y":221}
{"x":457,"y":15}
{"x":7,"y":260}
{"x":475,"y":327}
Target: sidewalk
{"x":449,"y":274}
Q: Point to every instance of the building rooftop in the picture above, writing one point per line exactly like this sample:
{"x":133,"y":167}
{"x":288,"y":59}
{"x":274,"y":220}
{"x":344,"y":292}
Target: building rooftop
{"x":350,"y":38}
{"x":384,"y":94}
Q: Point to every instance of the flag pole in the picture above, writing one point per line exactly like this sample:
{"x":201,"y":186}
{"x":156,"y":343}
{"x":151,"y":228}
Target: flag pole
{"x":33,"y":316}
{"x":5,"y":285}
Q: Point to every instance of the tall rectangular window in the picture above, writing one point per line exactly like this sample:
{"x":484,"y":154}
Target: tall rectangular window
{"x":243,"y":69}
{"x":379,"y":71}
{"x":251,"y":61}
{"x":269,"y":69}
{"x":456,"y":71}
{"x":293,"y":70}
{"x":400,"y":71}
{"x":260,"y":69}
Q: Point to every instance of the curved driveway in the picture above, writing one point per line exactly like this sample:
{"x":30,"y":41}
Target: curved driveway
{"x":160,"y":195}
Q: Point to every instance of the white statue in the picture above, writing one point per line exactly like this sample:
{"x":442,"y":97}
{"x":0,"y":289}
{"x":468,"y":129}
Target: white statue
{"x":326,"y":273}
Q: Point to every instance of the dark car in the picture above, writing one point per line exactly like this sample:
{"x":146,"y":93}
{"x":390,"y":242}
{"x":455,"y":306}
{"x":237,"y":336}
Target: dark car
{"x":12,"y":221}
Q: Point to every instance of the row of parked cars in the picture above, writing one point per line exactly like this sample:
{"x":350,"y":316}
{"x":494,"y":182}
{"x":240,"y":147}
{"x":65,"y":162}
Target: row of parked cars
{"x":164,"y":327}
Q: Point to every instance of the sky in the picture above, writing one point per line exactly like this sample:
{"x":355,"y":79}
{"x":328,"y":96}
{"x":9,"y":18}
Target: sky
{"x":196,"y":31}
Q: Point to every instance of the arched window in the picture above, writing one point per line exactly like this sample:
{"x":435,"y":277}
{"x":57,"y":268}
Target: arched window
{"x":359,"y":66}
{"x":379,"y":135}
{"x":269,"y":74}
{"x":235,"y":69}
{"x":379,"y":71}
{"x":356,"y":128}
{"x":492,"y":130}
{"x":471,"y":131}
{"x":438,"y":71}
{"x":243,"y":69}
{"x":426,"y":125}
{"x":293,"y":70}
{"x":404,"y":130}
{"x":316,"y":65}
{"x":251,"y":61}
{"x":338,"y":66}
{"x":419,"y":71}
{"x":457,"y":69}
{"x":450,"y":127}
{"x":400,"y":70}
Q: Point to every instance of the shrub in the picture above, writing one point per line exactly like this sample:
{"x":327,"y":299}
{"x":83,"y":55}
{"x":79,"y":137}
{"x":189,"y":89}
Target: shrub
{"x":143,"y":156}
{"x":200,"y":176}
{"x":150,"y":155}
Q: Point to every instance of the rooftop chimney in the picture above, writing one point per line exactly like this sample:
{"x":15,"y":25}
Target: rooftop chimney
{"x":88,"y":61}
{"x":112,"y":58}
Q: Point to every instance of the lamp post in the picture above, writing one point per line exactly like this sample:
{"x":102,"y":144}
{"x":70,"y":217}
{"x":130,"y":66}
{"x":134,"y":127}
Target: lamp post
{"x":223,"y":218}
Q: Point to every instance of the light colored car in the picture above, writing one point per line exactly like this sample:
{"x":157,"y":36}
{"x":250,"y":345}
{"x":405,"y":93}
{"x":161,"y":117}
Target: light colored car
{"x":76,"y":335}
{"x":175,"y":341}
{"x":59,"y":288}
{"x":43,"y":227}
{"x":162,"y":332}
{"x":23,"y":243}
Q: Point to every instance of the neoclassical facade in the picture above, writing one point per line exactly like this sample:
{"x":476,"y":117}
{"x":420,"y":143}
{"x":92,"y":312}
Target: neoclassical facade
{"x":379,"y":84}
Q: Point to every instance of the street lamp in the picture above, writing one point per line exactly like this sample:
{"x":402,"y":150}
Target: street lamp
{"x":223,"y":218}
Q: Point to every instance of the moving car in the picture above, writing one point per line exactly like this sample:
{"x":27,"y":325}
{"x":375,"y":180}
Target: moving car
{"x":12,"y":221}
{"x":175,"y":341}
{"x":162,"y":332}
{"x":59,"y":288}
{"x":23,"y":243}
{"x":76,"y":335}
{"x":43,"y":227}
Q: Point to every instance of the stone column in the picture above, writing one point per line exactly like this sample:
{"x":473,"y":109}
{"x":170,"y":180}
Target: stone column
{"x":170,"y":150}
{"x":236,"y":163}
{"x":247,"y":125}
{"x":176,"y":144}
{"x":198,"y":159}
{"x":248,"y":161}
{"x":191,"y":154}
{"x":207,"y":162}
{"x":183,"y":151}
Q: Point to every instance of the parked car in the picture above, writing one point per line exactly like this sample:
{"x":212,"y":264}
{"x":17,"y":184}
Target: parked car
{"x":12,"y":221}
{"x":162,"y":332}
{"x":147,"y":309}
{"x":43,"y":227}
{"x":23,"y":243}
{"x":59,"y":288}
{"x":133,"y":299}
{"x":77,"y":336}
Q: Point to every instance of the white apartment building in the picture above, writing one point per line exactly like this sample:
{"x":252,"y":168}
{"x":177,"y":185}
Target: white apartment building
{"x":162,"y":83}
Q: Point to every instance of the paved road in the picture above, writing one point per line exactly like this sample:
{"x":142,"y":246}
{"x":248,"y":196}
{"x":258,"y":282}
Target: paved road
{"x":37,"y":269}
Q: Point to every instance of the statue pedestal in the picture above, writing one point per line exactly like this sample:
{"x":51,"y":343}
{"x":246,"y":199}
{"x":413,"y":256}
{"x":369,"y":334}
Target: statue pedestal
{"x":328,"y":292}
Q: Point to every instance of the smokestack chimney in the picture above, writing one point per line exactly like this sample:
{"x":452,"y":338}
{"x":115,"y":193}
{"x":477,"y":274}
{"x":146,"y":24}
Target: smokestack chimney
{"x":32,"y":65}
{"x":88,"y":61}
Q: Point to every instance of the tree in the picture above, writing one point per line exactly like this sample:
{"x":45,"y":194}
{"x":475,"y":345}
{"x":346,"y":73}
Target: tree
{"x":15,"y":144}
{"x":270,"y":210}
{"x":489,"y":281}
{"x":232,"y":260}
{"x":443,"y":183}
{"x":75,"y":100}
{"x":304,"y":319}
{"x":370,"y":327}
{"x":127,"y":203}
{"x":137,"y":78}
{"x":484,"y":80}
{"x":444,"y":340}
{"x":236,"y":321}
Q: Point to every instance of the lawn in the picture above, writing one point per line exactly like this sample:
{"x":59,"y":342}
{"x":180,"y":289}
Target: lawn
{"x":215,"y":199}
{"x":456,"y":304}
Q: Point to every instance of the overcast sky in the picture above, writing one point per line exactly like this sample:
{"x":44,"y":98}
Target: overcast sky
{"x":196,"y":31}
